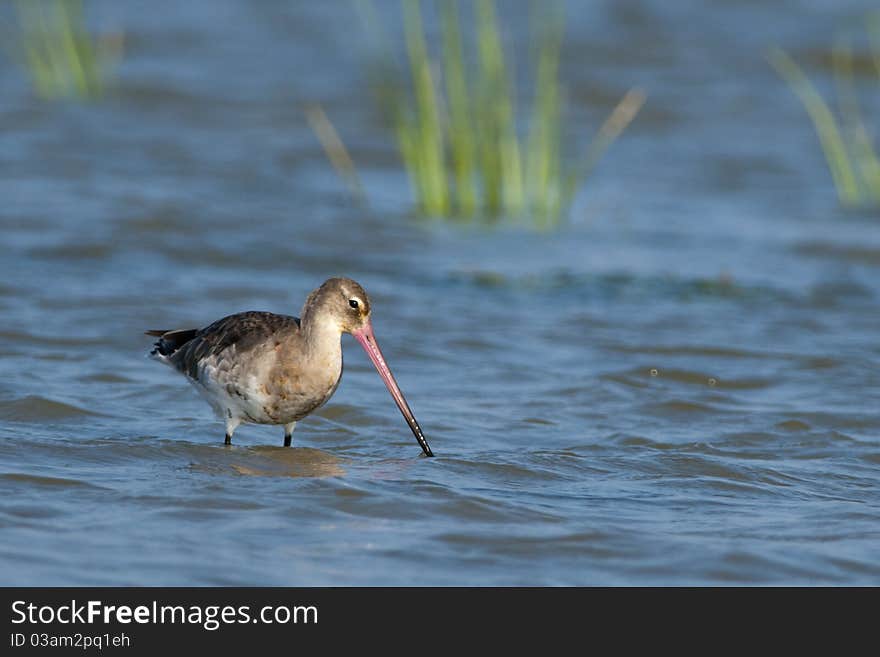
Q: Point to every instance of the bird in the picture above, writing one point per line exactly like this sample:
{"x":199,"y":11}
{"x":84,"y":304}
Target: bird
{"x":265,"y":368}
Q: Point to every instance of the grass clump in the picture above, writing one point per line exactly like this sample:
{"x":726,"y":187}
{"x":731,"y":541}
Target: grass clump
{"x":457,"y":128}
{"x":848,"y":141}
{"x":62,"y":59}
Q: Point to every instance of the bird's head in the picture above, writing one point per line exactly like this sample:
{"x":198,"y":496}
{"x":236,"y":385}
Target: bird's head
{"x":345,"y":304}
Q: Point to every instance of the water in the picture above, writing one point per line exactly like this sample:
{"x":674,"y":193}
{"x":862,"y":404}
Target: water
{"x":679,"y":387}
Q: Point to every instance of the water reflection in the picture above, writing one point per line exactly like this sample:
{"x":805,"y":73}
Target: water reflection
{"x":266,"y":461}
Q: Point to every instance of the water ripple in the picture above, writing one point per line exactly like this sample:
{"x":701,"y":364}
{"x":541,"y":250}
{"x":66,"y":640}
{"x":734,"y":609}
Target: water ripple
{"x":34,"y":408}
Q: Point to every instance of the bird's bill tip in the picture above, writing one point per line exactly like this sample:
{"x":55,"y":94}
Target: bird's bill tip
{"x":365,"y":336}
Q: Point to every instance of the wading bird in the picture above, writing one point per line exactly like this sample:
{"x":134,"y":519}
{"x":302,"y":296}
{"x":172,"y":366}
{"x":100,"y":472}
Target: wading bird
{"x":276,"y":369}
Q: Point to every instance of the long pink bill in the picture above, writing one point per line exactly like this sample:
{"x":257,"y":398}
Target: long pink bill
{"x":368,"y":342}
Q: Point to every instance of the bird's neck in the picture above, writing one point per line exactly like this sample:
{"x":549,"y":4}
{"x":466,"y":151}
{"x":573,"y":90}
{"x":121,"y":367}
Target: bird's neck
{"x":323,"y":337}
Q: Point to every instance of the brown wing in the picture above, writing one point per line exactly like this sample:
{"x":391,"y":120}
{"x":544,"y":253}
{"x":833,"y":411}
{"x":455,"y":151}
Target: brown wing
{"x":187,"y":349}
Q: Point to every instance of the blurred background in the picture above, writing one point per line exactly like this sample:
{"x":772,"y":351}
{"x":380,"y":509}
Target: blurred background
{"x":623,"y":257}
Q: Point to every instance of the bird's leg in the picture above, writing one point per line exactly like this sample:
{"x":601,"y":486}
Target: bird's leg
{"x":231,"y":424}
{"x":288,"y":433}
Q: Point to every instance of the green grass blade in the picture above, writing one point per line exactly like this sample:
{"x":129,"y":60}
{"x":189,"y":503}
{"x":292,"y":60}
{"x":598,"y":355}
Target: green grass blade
{"x":72,"y":44}
{"x":432,"y":161}
{"x":543,"y":152}
{"x":462,"y":136}
{"x":824,"y":123}
{"x":865,"y":159}
{"x":44,"y":33}
{"x":493,"y":105}
{"x":407,"y":141}
{"x":499,"y":112}
{"x":32,"y":44}
{"x":60,"y":56}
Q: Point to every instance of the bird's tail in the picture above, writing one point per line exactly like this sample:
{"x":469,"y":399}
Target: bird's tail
{"x":170,"y":341}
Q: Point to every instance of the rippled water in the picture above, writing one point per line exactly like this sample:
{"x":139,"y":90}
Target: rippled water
{"x":679,"y":387}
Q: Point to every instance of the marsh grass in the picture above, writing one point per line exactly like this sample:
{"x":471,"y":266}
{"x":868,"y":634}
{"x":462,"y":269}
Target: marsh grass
{"x":61,"y":57}
{"x":456,"y":122}
{"x":847,"y":139}
{"x":336,"y":151}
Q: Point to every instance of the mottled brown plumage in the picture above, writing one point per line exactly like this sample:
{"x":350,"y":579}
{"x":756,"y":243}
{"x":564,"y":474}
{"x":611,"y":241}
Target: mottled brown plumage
{"x":266,"y":368}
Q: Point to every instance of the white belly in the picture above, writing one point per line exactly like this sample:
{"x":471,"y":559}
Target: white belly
{"x":255,"y":393}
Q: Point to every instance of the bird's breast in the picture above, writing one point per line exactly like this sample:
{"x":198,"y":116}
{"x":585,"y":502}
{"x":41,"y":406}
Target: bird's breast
{"x":292,"y":390}
{"x":273,"y":386}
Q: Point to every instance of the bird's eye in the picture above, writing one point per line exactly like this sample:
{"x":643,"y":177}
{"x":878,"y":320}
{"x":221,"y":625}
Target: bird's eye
{"x":353,"y":303}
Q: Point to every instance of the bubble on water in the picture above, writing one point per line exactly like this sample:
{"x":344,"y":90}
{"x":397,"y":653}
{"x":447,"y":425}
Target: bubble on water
{"x":654,"y":371}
